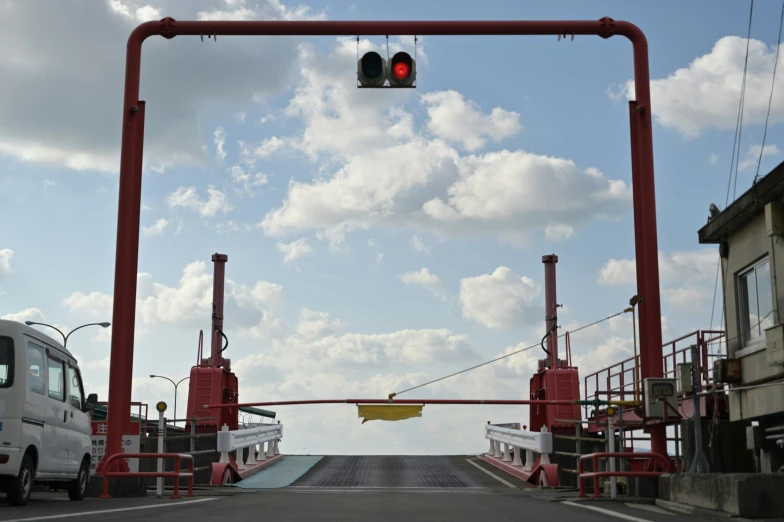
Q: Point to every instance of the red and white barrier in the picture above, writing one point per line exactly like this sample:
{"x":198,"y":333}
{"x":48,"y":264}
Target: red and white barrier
{"x":538,"y":471}
{"x":231,"y":469}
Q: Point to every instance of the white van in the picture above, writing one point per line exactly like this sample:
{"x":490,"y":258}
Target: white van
{"x":44,"y":425}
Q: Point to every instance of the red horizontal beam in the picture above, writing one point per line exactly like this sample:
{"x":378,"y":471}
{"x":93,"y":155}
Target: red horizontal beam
{"x":387,"y":401}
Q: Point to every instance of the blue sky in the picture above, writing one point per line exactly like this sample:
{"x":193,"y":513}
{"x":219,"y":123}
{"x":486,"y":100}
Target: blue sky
{"x":376,"y":239}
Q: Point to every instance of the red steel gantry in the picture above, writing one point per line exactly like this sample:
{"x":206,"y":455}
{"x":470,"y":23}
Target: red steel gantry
{"x":131,"y":152}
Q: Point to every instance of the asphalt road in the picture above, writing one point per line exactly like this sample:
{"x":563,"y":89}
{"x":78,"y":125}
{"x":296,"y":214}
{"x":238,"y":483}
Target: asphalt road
{"x":345,"y":505}
{"x":348,"y":489}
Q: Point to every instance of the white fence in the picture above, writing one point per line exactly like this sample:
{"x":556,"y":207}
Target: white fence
{"x":238,"y":440}
{"x":530,"y":441}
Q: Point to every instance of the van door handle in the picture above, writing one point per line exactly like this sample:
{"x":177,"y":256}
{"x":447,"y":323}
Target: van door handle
{"x":65,"y":415}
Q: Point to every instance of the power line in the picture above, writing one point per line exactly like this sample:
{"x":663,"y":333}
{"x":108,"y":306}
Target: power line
{"x":733,"y":162}
{"x":505,"y":356}
{"x":770,"y":100}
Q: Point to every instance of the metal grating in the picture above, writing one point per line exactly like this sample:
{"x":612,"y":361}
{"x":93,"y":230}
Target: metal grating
{"x":395,"y":472}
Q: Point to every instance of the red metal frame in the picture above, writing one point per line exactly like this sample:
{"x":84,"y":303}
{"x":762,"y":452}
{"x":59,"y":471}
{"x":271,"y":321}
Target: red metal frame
{"x":652,"y":456}
{"x":176,"y":474}
{"x":624,"y":390}
{"x":387,"y":401}
{"x":131,"y":152}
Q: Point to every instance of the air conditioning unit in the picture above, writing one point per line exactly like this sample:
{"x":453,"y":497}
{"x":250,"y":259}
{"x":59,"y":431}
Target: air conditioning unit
{"x":774,"y":340}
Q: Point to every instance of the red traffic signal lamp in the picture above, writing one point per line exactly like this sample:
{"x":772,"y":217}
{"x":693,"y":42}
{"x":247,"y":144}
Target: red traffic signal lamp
{"x":401,"y":70}
{"x":375,"y":71}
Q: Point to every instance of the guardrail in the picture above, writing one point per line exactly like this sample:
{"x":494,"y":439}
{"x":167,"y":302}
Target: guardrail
{"x":176,"y":474}
{"x":665,"y":462}
{"x":238,"y":440}
{"x":537,"y":471}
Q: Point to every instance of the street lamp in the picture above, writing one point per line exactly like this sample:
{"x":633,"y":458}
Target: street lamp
{"x":175,"y":391}
{"x":65,"y":337}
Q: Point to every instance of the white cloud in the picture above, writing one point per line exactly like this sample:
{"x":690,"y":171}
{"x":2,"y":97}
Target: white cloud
{"x":133,"y":12}
{"x":455,"y":119}
{"x":240,"y":117}
{"x":418,"y":245}
{"x":558,"y":232}
{"x":6,"y":254}
{"x":705,"y":94}
{"x":187,"y":197}
{"x":49,"y":183}
{"x":219,"y":137}
{"x":686,"y":277}
{"x":249,"y":307}
{"x":713,"y":159}
{"x":753,"y":155}
{"x":247,"y":180}
{"x":294,"y":250}
{"x":266,"y":148}
{"x":500,"y":300}
{"x":426,"y":280}
{"x":316,"y":325}
{"x":28,"y":314}
{"x":156,"y":229}
{"x":86,"y":135}
{"x":272,"y":9}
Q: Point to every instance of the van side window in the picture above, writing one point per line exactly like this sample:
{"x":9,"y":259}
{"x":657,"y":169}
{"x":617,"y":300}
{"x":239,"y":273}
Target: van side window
{"x":36,"y":371}
{"x":56,"y":380}
{"x":75,"y":389}
{"x":6,"y":362}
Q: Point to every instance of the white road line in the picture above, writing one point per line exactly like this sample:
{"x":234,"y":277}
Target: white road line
{"x":118,"y":510}
{"x":648,"y":507}
{"x":499,"y":479}
{"x":606,"y":512}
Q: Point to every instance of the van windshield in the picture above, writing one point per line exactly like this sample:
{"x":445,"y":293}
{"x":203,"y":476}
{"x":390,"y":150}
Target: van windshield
{"x":6,"y":362}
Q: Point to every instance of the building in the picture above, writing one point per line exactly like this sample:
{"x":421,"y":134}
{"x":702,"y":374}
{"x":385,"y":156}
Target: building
{"x":750,"y":235}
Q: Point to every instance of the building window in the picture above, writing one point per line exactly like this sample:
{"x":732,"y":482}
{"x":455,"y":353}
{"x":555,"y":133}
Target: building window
{"x":755,"y":302}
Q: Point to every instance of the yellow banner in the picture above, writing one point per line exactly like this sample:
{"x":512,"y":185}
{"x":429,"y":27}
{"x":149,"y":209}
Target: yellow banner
{"x":388,"y":412}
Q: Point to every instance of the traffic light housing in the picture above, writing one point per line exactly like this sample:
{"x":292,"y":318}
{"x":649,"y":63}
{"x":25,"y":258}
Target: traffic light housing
{"x":372,"y":70}
{"x":375,"y":71}
{"x":401,"y":70}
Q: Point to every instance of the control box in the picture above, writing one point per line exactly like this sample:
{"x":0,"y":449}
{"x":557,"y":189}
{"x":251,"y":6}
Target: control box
{"x":657,"y":392}
{"x":685,"y":384}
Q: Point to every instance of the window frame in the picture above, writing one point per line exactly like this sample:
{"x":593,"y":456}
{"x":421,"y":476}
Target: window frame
{"x":742,"y":300}
{"x":80,"y":386}
{"x":12,"y":363}
{"x":49,"y":358}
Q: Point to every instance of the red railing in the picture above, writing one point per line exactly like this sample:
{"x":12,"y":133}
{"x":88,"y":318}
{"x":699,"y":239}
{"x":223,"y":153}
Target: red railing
{"x":176,"y":474}
{"x":595,"y":474}
{"x":617,"y":381}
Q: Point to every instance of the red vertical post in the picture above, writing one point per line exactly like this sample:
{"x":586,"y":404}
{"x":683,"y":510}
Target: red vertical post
{"x":551,"y":307}
{"x":218,"y":285}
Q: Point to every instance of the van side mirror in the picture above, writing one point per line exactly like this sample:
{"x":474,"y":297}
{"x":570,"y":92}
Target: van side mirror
{"x":91,"y":402}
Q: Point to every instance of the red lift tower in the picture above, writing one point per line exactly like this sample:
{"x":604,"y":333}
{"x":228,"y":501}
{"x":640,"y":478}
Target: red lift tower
{"x":212,"y":381}
{"x":556,"y":379}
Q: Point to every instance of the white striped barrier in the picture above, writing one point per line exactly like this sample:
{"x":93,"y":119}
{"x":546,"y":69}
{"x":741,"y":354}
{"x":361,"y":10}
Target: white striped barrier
{"x":238,"y":440}
{"x":530,"y":441}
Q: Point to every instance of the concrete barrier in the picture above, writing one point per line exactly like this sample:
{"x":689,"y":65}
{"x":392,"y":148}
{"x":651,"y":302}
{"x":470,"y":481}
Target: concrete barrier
{"x":749,"y":495}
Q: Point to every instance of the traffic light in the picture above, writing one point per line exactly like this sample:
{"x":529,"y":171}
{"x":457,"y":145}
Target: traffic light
{"x":401,"y":70}
{"x":375,"y":71}
{"x":372,"y":70}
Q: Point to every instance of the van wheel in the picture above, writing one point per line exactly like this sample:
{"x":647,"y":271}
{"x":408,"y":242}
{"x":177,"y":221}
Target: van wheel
{"x":77,"y":488}
{"x":20,"y":487}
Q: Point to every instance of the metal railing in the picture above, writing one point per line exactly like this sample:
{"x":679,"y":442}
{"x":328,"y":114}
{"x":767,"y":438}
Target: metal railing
{"x":176,"y":474}
{"x":595,"y":474}
{"x":618,"y":381}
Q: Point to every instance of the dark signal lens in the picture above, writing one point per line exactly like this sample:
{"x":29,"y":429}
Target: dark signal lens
{"x":372,"y":65}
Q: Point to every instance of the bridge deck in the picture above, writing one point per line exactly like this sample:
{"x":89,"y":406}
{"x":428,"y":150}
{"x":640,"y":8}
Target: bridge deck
{"x":396,"y":472}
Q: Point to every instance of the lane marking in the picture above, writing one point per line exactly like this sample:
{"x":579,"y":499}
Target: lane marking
{"x":118,"y":510}
{"x":499,"y":479}
{"x":606,"y":511}
{"x":648,"y":507}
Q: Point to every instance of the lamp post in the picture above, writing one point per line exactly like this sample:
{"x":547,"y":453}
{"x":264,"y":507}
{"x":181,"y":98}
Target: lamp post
{"x":175,"y":391}
{"x":65,"y":337}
